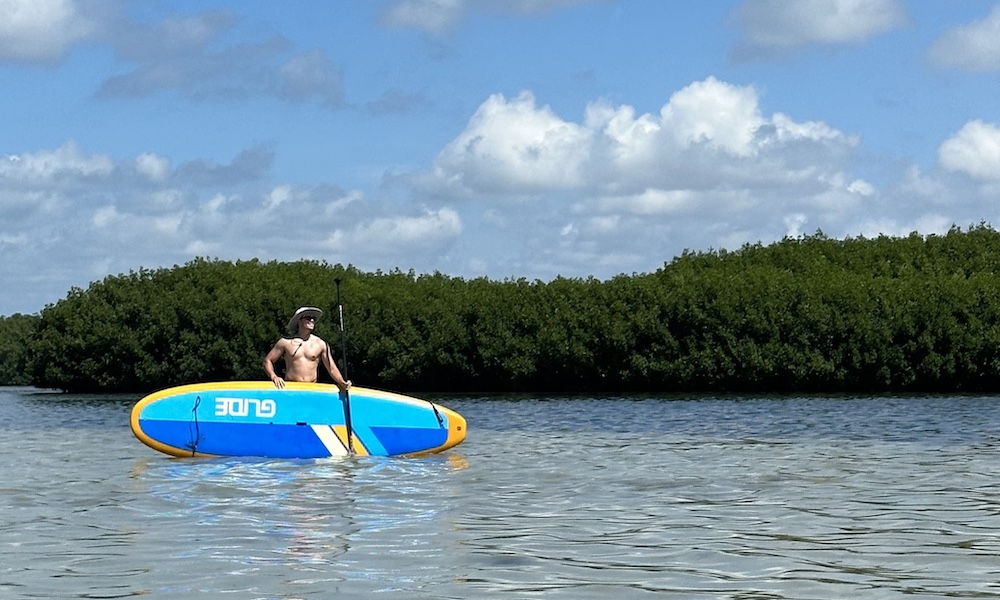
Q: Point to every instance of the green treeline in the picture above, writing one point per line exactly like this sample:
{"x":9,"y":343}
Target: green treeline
{"x":15,"y":332}
{"x":803,"y":314}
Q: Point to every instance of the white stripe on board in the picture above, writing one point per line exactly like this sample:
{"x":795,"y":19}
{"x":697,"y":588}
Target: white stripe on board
{"x":330,"y":440}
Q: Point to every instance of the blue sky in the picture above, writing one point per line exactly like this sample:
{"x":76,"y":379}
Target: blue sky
{"x":499,"y":138}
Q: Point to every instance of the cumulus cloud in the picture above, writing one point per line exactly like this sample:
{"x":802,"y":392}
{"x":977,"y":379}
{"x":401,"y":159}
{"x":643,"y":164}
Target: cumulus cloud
{"x":41,"y":31}
{"x":101,"y":215}
{"x":915,"y":183}
{"x":514,"y":147}
{"x":713,"y":113}
{"x":155,"y":168}
{"x":930,"y":224}
{"x":709,"y":165}
{"x":649,"y":202}
{"x":388,"y":236}
{"x":709,"y":135}
{"x":795,"y":222}
{"x":63,"y":163}
{"x":521,"y":191}
{"x":776,"y":27}
{"x":972,"y":47}
{"x":973,"y":150}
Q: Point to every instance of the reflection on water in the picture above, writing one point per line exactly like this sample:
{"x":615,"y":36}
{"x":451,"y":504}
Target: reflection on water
{"x":574,"y":498}
{"x":302,"y":522}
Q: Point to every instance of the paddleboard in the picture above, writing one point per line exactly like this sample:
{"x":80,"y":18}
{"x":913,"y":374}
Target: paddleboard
{"x":303,"y":420}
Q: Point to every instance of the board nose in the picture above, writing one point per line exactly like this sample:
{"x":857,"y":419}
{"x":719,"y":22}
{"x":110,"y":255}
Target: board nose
{"x":457,"y":428}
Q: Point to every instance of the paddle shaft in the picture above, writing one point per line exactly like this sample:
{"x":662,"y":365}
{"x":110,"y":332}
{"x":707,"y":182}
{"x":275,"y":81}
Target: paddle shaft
{"x":343,"y":372}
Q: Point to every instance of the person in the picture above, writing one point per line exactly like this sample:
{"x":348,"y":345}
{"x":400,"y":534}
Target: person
{"x":302,"y":352}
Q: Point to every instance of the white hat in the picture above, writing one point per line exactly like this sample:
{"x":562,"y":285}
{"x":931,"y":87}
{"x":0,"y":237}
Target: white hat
{"x":305,"y":311}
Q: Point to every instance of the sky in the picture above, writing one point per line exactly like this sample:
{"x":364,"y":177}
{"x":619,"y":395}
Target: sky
{"x":501,"y":138}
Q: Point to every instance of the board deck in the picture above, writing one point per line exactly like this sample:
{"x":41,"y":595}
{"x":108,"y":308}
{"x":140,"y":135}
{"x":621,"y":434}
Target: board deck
{"x":303,"y":420}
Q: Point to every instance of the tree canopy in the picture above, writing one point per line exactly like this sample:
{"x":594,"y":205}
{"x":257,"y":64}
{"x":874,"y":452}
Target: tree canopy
{"x":804,"y":314}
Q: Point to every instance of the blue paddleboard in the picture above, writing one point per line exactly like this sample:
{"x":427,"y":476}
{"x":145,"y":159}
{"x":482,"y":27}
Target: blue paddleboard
{"x":303,"y":420}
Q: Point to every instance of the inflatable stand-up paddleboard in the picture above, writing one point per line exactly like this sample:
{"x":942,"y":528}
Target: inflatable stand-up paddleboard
{"x":303,"y":420}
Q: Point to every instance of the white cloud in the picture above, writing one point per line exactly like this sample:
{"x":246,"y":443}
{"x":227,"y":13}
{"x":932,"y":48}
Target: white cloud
{"x":86,"y":208}
{"x":973,"y":150}
{"x":650,"y":202}
{"x":794,"y":223}
{"x":217,"y":204}
{"x":514,"y":147}
{"x":202,"y":248}
{"x":167,"y":225}
{"x":40,"y":31}
{"x":925,"y":225}
{"x":925,"y":187}
{"x":861,"y":188}
{"x":155,"y":168}
{"x":714,"y":113}
{"x":386,"y":236}
{"x":710,"y":135}
{"x":106,"y":216}
{"x":615,"y":191}
{"x":166,"y":198}
{"x":46,"y":165}
{"x":972,"y":47}
{"x":13,"y":240}
{"x":278,"y":196}
{"x":785,"y":129}
{"x":708,"y":168}
{"x":605,"y":224}
{"x":772,"y":27}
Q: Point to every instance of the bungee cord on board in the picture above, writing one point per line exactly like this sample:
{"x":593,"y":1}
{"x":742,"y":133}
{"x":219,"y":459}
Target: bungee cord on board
{"x":196,"y":432}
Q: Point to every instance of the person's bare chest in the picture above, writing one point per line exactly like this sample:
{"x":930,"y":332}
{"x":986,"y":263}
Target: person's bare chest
{"x":304,"y":350}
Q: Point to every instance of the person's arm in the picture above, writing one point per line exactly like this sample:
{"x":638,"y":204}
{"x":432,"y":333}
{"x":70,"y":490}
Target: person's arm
{"x":269,"y":359}
{"x":331,"y":368}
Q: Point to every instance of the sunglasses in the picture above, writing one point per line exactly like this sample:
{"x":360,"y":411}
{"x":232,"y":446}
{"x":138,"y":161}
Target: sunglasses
{"x":308,"y":318}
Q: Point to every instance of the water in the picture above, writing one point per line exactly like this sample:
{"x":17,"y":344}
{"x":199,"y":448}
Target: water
{"x":740,"y":498}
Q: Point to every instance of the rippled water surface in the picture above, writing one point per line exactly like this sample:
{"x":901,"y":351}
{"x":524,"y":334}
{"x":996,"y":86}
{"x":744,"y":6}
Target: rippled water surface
{"x":742,"y":498}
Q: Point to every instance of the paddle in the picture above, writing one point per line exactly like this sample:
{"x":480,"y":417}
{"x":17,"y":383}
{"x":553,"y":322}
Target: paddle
{"x":343,"y":372}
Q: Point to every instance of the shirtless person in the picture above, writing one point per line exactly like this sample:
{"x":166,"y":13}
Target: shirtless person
{"x":302,"y":352}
